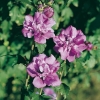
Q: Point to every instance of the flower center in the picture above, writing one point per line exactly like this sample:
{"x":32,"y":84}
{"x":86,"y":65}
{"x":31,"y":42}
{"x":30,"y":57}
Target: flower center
{"x":41,"y":69}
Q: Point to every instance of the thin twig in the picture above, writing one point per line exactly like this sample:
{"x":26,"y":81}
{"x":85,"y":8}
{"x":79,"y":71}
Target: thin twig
{"x":41,"y":91}
{"x":61,"y":75}
{"x":27,"y":80}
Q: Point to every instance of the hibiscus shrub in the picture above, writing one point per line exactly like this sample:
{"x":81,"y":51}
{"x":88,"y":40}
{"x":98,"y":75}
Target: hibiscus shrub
{"x":44,"y":49}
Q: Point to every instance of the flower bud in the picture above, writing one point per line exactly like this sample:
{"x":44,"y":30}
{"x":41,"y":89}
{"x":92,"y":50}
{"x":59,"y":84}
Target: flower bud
{"x":40,"y":7}
{"x":89,"y":46}
{"x":48,"y":11}
{"x":50,"y":2}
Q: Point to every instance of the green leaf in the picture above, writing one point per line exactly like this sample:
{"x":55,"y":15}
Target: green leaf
{"x":75,"y":3}
{"x":2,"y":94}
{"x":56,"y":7}
{"x":40,"y":47}
{"x":5,"y":26}
{"x":86,"y":55}
{"x":91,"y":62}
{"x":25,"y":1}
{"x":27,"y":97}
{"x":68,"y":11}
{"x":36,"y":97}
{"x":63,"y":69}
{"x":46,"y":97}
{"x":14,"y":12}
{"x":63,"y":89}
{"x":66,"y":17}
{"x":59,"y":59}
{"x":3,"y":55}
{"x":56,"y":18}
{"x":3,"y":76}
{"x":78,"y":66}
{"x":65,"y":81}
{"x":17,"y":71}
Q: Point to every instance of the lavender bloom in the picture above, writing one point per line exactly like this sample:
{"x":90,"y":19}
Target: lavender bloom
{"x":70,"y":43}
{"x":38,"y":26}
{"x":44,"y":69}
{"x":50,"y":92}
{"x":48,"y":11}
{"x":28,"y":30}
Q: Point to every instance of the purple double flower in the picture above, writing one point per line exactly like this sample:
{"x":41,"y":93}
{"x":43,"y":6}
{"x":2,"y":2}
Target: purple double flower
{"x":43,"y":69}
{"x":70,"y":43}
{"x":39,"y":26}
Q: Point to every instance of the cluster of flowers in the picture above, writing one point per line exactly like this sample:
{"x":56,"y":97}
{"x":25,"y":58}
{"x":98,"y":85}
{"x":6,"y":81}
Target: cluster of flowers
{"x":69,"y":43}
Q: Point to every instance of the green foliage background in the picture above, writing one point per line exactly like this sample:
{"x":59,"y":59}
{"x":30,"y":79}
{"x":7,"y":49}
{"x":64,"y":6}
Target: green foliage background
{"x":82,"y":76}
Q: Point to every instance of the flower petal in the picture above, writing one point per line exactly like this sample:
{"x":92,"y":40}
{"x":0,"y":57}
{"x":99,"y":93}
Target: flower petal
{"x":37,"y":82}
{"x":29,"y":18}
{"x":50,"y":92}
{"x":52,"y":80}
{"x":82,"y":47}
{"x":24,"y":31}
{"x":50,"y":60}
{"x":57,"y":81}
{"x":31,"y":71}
{"x":39,"y":38}
{"x":71,"y":58}
{"x":63,"y":53}
{"x":49,"y":35}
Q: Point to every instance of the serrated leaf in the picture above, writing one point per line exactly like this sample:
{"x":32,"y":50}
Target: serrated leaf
{"x":40,"y":47}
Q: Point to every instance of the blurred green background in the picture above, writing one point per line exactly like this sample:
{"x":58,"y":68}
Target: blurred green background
{"x":83,"y":79}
